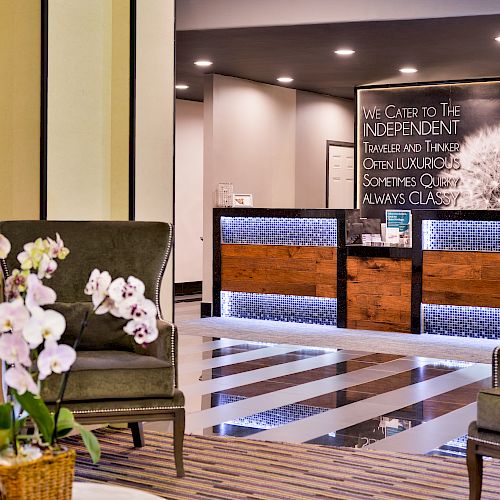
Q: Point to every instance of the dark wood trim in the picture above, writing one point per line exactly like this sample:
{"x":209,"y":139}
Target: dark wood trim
{"x":416,"y":274}
{"x":343,"y":144}
{"x":188,"y":288}
{"x":132,"y":109}
{"x":44,"y":43}
{"x":341,"y":270}
{"x":217,"y":259}
{"x":206,"y":310}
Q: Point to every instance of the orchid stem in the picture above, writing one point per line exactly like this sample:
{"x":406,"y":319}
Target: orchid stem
{"x":65,"y":378}
{"x":13,"y":428}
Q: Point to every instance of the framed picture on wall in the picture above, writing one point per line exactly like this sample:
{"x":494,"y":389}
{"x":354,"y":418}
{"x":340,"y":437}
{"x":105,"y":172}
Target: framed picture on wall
{"x":340,"y":175}
{"x":242,"y":200}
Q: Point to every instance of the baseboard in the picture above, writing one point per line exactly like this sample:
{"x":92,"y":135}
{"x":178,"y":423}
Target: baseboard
{"x":206,"y":309}
{"x":188,"y":288}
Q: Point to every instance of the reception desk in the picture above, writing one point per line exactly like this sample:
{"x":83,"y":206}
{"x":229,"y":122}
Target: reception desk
{"x":295,"y":265}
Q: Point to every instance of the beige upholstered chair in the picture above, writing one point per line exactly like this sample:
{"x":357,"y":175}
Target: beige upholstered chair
{"x":113,"y":379}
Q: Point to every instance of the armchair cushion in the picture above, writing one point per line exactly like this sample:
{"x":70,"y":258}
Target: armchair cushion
{"x":103,"y":332}
{"x":98,"y":375}
{"x":488,"y":409}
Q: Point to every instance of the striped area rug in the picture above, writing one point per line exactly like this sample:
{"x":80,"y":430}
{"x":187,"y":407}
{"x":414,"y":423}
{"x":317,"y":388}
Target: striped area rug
{"x":234,"y":468}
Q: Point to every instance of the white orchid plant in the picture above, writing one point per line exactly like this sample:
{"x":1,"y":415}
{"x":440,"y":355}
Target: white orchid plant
{"x":31,"y":352}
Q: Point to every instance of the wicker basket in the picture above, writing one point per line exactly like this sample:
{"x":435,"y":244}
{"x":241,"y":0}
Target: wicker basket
{"x":47,"y":478}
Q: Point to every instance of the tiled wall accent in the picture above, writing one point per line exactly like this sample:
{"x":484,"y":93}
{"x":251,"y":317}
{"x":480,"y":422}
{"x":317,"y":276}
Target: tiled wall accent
{"x":461,"y":235}
{"x":270,"y":418}
{"x":291,"y":308}
{"x":279,"y":231}
{"x":462,"y":321}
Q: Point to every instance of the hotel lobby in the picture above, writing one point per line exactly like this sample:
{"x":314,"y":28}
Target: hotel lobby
{"x":273,"y":233}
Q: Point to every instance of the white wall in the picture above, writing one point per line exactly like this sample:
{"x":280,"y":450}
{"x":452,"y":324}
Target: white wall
{"x":319,"y":118}
{"x":188,"y":191}
{"x":249,"y":141}
{"x":155,"y":122}
{"x":216,"y":14}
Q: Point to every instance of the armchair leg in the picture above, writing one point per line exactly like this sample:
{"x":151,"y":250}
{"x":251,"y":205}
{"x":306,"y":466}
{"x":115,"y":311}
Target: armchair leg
{"x":179,"y":425}
{"x":137,"y":434}
{"x":475,"y":468}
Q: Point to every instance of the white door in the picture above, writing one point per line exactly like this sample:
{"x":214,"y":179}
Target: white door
{"x":340,"y":176}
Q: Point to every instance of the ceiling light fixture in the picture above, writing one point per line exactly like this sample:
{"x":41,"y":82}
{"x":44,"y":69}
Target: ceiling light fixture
{"x":182,"y":86}
{"x":285,"y":79}
{"x":497,"y":38}
{"x":345,"y":52}
{"x":203,"y":63}
{"x":408,"y":70}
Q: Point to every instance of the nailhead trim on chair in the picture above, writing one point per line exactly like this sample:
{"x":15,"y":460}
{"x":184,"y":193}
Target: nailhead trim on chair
{"x":106,"y":410}
{"x":496,"y":352}
{"x":162,"y":270}
{"x":485,"y":441}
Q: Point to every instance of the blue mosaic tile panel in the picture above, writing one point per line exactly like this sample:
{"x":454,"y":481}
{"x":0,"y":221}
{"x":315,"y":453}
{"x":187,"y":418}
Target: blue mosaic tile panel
{"x":290,"y":308}
{"x":461,"y":235}
{"x":462,"y":321}
{"x":271,"y":418}
{"x":279,"y":231}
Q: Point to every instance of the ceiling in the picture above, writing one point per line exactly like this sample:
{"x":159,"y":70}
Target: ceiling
{"x":442,"y":49}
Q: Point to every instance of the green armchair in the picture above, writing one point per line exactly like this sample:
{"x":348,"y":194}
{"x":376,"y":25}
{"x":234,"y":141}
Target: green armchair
{"x":113,"y":379}
{"x":484,"y":433}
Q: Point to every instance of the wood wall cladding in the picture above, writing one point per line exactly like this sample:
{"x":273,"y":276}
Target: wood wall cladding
{"x":379,"y":293}
{"x":461,"y":278}
{"x":280,"y":269}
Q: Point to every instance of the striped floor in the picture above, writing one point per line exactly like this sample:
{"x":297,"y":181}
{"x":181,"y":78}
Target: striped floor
{"x":293,"y":394}
{"x":226,"y":468}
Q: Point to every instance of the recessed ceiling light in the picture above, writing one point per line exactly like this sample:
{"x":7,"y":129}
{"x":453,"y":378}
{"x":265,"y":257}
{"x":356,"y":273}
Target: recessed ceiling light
{"x":285,"y":79}
{"x":345,"y":52}
{"x":408,"y":70}
{"x":203,"y":63}
{"x":182,"y":86}
{"x":497,"y":38}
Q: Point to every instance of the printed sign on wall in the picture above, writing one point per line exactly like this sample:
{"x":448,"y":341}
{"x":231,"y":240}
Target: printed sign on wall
{"x":429,"y":146}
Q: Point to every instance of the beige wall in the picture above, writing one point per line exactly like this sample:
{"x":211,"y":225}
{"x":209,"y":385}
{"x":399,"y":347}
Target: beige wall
{"x":319,"y":118}
{"x":188,"y":190}
{"x":155,"y":121}
{"x":19,"y":109}
{"x":249,"y":141}
{"x":88,"y":89}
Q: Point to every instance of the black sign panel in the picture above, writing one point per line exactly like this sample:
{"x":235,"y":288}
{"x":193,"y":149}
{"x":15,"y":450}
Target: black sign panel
{"x":429,"y":146}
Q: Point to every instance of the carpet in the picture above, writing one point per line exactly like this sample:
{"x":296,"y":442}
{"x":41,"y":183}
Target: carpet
{"x":432,"y":346}
{"x":234,"y":468}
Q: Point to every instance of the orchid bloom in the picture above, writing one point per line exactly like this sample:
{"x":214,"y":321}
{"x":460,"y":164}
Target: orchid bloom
{"x":14,"y":349}
{"x":4,"y":247}
{"x":57,"y":250}
{"x":38,"y":294}
{"x":46,"y":267}
{"x":32,"y":254}
{"x":120,"y":289}
{"x":43,"y":325}
{"x":19,"y":379}
{"x":13,"y":316}
{"x":144,"y":330}
{"x":55,"y":358}
{"x":136,"y":309}
{"x":15,"y":284}
{"x":98,"y":286}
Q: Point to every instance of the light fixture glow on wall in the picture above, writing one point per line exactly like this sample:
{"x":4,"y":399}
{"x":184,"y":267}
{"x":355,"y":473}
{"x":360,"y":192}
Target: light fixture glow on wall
{"x":285,"y":79}
{"x":182,"y":86}
{"x":408,"y":70}
{"x":497,"y":38}
{"x":203,"y":63}
{"x":344,"y":52}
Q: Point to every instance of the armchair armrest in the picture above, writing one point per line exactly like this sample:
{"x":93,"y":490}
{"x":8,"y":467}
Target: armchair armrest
{"x":495,"y":367}
{"x":164,"y":347}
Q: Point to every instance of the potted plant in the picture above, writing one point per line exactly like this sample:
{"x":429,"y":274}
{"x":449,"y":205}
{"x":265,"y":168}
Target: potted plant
{"x":32,"y":462}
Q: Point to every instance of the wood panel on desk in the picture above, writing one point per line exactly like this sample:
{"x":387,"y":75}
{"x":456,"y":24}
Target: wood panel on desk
{"x":280,"y":269}
{"x":461,"y":278}
{"x":379,"y":293}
